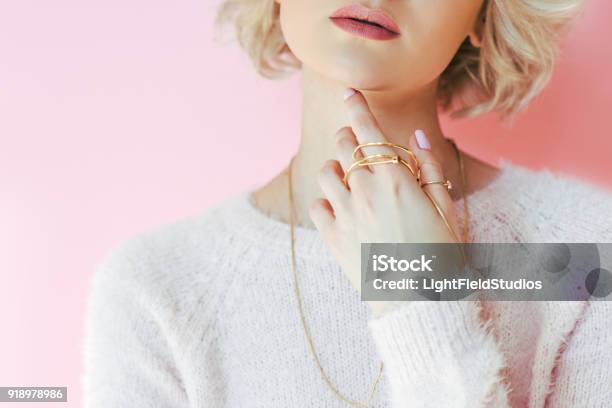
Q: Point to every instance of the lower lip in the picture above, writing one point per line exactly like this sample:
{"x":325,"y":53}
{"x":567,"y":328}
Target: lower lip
{"x":363,"y":29}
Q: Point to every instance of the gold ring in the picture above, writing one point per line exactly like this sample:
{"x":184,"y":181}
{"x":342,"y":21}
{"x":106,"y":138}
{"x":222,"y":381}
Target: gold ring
{"x":382,"y":159}
{"x":396,"y":146}
{"x":445,"y":183}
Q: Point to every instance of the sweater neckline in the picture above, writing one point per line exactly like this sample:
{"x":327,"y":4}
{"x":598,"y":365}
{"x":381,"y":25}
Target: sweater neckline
{"x":263,"y":229}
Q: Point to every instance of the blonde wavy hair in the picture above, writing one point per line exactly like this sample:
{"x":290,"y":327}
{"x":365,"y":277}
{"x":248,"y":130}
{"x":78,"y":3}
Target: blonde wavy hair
{"x":516,"y":59}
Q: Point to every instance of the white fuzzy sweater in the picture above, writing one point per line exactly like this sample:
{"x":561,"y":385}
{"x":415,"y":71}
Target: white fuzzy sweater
{"x":202,"y":313}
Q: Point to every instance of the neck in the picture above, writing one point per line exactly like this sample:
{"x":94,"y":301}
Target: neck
{"x":398,"y":113}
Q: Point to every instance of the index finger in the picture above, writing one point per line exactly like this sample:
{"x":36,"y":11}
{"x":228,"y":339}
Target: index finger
{"x":363,"y":122}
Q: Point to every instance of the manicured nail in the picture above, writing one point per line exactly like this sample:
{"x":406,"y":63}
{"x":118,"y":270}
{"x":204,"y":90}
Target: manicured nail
{"x":348,"y":93}
{"x":422,"y":139}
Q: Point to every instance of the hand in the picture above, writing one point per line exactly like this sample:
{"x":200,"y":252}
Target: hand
{"x":383,"y":203}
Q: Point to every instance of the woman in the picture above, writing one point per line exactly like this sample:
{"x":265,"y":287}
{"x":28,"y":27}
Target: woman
{"x":256,"y":303}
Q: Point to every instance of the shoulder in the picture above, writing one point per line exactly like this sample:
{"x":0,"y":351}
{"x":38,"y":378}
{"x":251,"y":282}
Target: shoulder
{"x":561,"y":207}
{"x":152,"y":299}
{"x":171,"y":264}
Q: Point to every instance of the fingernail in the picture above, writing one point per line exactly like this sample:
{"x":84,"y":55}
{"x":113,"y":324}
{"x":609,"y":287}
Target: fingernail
{"x":348,"y":93}
{"x":422,"y":139}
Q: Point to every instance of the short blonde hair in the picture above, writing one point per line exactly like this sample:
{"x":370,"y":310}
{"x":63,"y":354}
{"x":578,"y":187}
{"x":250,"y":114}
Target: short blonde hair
{"x":516,"y":59}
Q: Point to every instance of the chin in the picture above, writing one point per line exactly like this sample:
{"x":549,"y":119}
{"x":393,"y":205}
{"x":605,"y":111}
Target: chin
{"x":358,"y":73}
{"x":363,"y":82}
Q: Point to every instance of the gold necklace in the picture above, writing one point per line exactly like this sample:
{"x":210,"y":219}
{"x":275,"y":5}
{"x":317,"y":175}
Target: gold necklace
{"x":330,"y":384}
{"x":464,"y":186}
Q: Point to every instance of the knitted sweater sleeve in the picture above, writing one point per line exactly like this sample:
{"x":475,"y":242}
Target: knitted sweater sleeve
{"x":440,"y":354}
{"x":128,"y":361}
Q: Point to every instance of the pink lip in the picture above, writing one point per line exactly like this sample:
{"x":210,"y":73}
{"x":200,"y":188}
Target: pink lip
{"x":366,"y":22}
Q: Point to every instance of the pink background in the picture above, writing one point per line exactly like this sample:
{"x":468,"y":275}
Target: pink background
{"x":110,"y":110}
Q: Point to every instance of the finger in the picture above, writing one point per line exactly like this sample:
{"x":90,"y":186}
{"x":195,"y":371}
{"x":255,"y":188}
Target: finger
{"x":330,"y":180}
{"x":346,"y":142}
{"x":322,"y":215}
{"x":431,"y":170}
{"x":364,"y":124}
{"x":345,"y":145}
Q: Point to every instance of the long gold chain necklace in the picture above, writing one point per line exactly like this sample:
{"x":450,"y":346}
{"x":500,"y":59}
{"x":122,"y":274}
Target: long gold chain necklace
{"x":464,"y":186}
{"x":298,"y":295}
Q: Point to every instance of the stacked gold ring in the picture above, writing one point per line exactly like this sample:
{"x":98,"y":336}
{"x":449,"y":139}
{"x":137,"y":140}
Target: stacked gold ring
{"x":381,"y":159}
